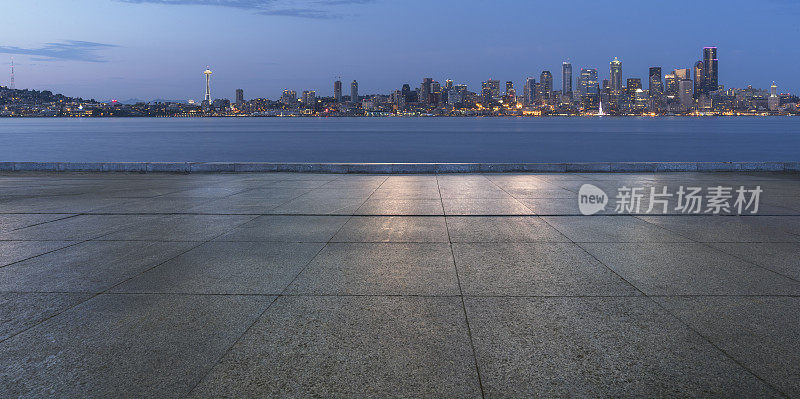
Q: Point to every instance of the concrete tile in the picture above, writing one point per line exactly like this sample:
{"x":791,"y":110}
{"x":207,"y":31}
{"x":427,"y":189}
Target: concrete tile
{"x":281,"y":228}
{"x":181,"y":228}
{"x":688,"y":269}
{"x":314,"y":206}
{"x":206,"y":192}
{"x":725,"y":228}
{"x":11,"y":222}
{"x":139,"y":345}
{"x":789,"y":224}
{"x":152,"y":205}
{"x":541,"y":192}
{"x":240,"y":206}
{"x":56,"y":204}
{"x":379,"y":269}
{"x":81,"y":227}
{"x":401,"y":207}
{"x":414,"y":193}
{"x":393,"y":229}
{"x":472,"y":192}
{"x":498,"y":206}
{"x":227,"y":268}
{"x":761,"y":333}
{"x":597,"y":347}
{"x":20,"y":311}
{"x":610,"y":229}
{"x":324,"y":194}
{"x":15,"y":251}
{"x":783,"y":258}
{"x":276,"y":193}
{"x":336,"y":347}
{"x":552,"y":206}
{"x":355,"y":183}
{"x":502,"y":229}
{"x":92,"y":266}
{"x":534,"y":269}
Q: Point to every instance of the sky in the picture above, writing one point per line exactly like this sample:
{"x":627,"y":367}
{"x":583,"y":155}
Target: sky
{"x":158,"y":49}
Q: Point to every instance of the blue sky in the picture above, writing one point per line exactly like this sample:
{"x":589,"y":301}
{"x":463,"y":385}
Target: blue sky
{"x":158,"y":48}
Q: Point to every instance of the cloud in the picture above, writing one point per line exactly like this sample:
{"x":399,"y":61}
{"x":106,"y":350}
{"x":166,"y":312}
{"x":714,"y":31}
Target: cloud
{"x":313,"y":9}
{"x":243,"y":4}
{"x":70,"y":50}
{"x":302,"y":13}
{"x":343,"y":2}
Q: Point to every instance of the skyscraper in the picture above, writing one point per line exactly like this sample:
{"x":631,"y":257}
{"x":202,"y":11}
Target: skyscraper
{"x":529,"y":91}
{"x":633,"y":85}
{"x":354,"y":92}
{"x":711,"y":64}
{"x":589,"y":88}
{"x":546,"y":82}
{"x":493,"y":87}
{"x":425,"y":90}
{"x":207,"y":97}
{"x":686,"y":94}
{"x":682,"y":74}
{"x":289,"y":97}
{"x":309,"y":98}
{"x":616,"y":77}
{"x":656,"y":86}
{"x":337,"y":91}
{"x":239,"y":96}
{"x":671,"y":85}
{"x":773,"y":101}
{"x":700,"y":86}
{"x":566,"y":79}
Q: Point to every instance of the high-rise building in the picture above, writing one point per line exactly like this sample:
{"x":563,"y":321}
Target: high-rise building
{"x":309,"y":98}
{"x":354,"y":92}
{"x":589,"y":89}
{"x":337,"y":91}
{"x":436,"y":93}
{"x":529,"y":91}
{"x":546,"y":86}
{"x":239,"y":96}
{"x":773,"y":101}
{"x":682,"y":74}
{"x":633,"y":84}
{"x":511,"y":93}
{"x":616,"y":77}
{"x":566,"y":79}
{"x":686,"y":94}
{"x":289,"y":97}
{"x":493,"y":87}
{"x":671,"y":85}
{"x":711,"y":64}
{"x":656,"y":86}
{"x":426,"y":91}
{"x":700,"y":86}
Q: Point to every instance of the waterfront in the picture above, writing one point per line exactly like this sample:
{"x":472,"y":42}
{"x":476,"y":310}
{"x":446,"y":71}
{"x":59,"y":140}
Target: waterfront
{"x":401,"y":139}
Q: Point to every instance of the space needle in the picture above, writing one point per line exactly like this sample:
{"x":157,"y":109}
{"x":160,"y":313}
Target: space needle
{"x":207,"y":72}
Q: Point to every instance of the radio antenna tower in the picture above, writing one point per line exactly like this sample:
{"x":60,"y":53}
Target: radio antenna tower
{"x":12,"y":86}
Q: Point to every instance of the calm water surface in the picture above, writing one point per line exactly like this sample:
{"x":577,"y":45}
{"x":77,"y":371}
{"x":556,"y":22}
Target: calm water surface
{"x":401,"y":139}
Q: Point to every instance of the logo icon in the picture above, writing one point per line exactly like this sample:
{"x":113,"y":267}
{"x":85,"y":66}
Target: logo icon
{"x":591,"y":199}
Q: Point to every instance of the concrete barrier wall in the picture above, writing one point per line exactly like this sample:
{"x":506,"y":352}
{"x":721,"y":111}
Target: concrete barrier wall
{"x":398,"y":168}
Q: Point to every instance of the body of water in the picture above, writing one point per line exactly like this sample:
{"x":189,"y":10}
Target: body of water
{"x":401,"y":139}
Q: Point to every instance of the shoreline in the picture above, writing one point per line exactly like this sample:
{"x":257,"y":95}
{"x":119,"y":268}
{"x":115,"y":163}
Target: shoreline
{"x":398,"y":168}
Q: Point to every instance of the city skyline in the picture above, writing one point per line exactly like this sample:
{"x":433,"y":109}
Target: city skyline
{"x":155,"y":47}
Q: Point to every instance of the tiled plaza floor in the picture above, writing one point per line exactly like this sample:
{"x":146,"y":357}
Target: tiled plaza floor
{"x":452,"y":286}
